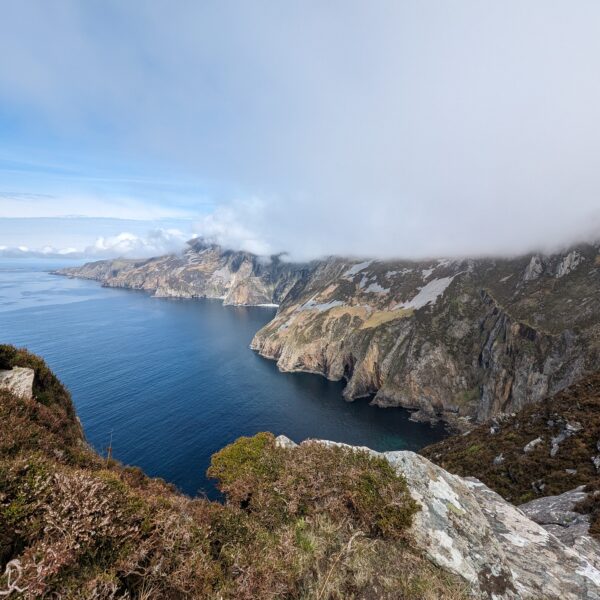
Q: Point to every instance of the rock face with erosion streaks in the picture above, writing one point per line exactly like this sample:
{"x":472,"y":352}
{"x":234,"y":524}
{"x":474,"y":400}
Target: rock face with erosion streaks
{"x":559,"y":516}
{"x":460,"y":340}
{"x":469,"y":530}
{"x":18,"y":381}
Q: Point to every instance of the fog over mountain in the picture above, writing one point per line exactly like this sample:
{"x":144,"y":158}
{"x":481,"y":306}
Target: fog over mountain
{"x":387,"y":129}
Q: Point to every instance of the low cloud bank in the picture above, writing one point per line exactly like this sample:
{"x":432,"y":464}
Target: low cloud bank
{"x":127,"y":245}
{"x":157,"y":242}
{"x":306,"y":230}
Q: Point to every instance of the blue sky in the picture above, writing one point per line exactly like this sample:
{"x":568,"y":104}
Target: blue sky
{"x":397,"y":128}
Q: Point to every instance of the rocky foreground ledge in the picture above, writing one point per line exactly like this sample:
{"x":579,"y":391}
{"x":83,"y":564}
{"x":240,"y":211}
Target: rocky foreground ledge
{"x":18,"y":381}
{"x":469,"y":530}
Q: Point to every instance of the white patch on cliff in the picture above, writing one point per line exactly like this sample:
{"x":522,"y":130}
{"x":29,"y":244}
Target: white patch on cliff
{"x":224,"y":274}
{"x":357,"y":268}
{"x":569,"y":263}
{"x":426,"y":273}
{"x":517,"y":540}
{"x":18,"y":381}
{"x":590,"y":572}
{"x":403,"y":271}
{"x":451,"y":556}
{"x":321,"y":307}
{"x":442,"y":490}
{"x":534,"y":269}
{"x":429,"y":293}
{"x":375,"y":288}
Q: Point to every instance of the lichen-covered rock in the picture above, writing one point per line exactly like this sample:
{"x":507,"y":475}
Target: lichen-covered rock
{"x":569,"y":263}
{"x":558,"y":515}
{"x":469,"y":530}
{"x":534,"y":269}
{"x":18,"y":381}
{"x":530,"y":446}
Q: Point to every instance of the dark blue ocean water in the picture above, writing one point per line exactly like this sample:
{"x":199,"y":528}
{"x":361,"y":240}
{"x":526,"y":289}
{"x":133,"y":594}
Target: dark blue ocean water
{"x":174,"y":380}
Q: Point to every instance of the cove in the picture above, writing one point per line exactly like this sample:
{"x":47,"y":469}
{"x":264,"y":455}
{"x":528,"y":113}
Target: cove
{"x":173,"y":381}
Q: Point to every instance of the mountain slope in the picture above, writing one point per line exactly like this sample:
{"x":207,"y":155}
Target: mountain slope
{"x":201,"y":271}
{"x":450,"y":339}
{"x":458,"y":340}
{"x":545,"y":449}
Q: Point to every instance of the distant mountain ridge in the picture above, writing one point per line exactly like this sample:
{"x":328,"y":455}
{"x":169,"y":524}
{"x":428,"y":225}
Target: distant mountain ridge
{"x":202,"y":270}
{"x":459,"y":340}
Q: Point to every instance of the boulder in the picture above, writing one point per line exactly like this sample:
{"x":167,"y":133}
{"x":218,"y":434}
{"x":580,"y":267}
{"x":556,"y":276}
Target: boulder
{"x":532,"y":444}
{"x":558,"y":516}
{"x":18,"y":380}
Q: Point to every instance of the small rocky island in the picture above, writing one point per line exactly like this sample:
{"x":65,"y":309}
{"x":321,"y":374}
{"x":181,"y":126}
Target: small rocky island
{"x":315,"y":520}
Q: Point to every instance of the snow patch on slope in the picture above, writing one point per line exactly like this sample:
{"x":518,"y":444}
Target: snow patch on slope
{"x":357,"y":268}
{"x":429,"y":293}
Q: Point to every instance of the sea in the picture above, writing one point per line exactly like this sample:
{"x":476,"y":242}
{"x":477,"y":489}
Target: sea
{"x":168,"y":382}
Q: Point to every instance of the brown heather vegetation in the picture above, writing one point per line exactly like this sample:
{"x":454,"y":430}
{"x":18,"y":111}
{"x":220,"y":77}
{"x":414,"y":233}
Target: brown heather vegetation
{"x":522,"y":476}
{"x":311,"y":522}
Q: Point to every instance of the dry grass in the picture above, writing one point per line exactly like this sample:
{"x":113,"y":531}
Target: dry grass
{"x":385,"y":316}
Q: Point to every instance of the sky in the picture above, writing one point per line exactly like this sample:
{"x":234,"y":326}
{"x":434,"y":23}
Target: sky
{"x":386,"y":128}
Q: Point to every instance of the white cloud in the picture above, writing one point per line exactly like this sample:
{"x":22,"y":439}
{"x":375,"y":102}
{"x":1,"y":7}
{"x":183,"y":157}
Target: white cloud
{"x":126,"y":244}
{"x":239,"y":226}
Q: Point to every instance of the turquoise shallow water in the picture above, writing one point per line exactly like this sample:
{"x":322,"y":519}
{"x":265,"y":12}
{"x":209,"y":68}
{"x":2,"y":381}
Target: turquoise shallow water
{"x":175,"y":380}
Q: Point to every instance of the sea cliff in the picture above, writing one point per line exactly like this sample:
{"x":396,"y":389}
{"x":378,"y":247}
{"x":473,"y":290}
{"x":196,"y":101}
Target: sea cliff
{"x":457,"y":340}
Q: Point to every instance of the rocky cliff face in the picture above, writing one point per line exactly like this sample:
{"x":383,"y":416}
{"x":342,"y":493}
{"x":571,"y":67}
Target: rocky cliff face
{"x":202,"y":271}
{"x":545,"y":449}
{"x":460,"y":340}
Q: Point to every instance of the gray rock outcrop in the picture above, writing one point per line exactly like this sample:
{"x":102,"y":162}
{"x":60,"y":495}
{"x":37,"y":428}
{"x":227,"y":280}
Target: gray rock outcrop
{"x":557,"y":515}
{"x":18,"y":380}
{"x":469,"y":530}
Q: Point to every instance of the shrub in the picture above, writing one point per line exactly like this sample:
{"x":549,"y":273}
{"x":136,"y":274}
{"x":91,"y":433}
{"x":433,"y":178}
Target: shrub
{"x":280,"y":485}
